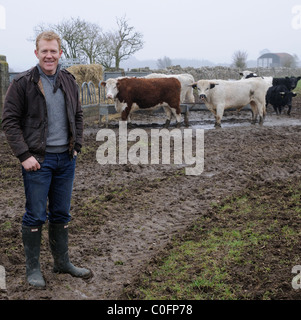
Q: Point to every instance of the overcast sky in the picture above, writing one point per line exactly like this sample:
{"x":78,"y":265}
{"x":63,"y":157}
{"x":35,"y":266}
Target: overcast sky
{"x":198,"y":29}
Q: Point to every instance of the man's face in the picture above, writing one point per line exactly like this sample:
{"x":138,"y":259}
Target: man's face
{"x":48,"y":54}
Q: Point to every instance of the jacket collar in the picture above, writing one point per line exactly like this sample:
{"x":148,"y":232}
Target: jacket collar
{"x":36,"y":77}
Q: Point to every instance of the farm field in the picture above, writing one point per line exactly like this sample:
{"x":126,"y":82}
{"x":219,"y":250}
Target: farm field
{"x":151,"y":232}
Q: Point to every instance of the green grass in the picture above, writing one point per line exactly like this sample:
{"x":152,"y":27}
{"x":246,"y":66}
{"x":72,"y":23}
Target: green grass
{"x":233,"y":252}
{"x":298,"y":89}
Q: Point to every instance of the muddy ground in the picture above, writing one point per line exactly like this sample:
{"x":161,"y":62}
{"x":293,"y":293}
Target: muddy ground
{"x":125,"y":215}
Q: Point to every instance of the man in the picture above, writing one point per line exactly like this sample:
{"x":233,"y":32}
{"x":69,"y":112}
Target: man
{"x":43,"y":123}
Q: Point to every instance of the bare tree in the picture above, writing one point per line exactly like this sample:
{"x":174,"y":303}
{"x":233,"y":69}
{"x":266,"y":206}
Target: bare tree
{"x":290,"y":62}
{"x":239,"y":59}
{"x":123,"y":43}
{"x":92,"y":45}
{"x":80,"y":39}
{"x":87,"y":42}
{"x":107,"y":57}
{"x":164,"y":63}
{"x":72,"y":33}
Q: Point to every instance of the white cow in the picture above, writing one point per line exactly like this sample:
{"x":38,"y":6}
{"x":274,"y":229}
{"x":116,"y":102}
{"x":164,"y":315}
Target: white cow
{"x":221,"y":95}
{"x":250,"y":75}
{"x":186,"y":81}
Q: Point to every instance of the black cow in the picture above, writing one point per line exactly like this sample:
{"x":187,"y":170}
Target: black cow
{"x":280,"y":96}
{"x":291,"y":83}
{"x":280,"y":93}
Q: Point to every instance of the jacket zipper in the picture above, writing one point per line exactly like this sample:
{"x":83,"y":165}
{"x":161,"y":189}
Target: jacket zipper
{"x":45,"y":119}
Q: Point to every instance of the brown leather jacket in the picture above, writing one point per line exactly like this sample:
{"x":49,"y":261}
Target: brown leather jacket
{"x":24,"y":118}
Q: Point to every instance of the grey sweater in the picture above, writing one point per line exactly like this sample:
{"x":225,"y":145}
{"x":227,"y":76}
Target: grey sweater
{"x":57,"y":135}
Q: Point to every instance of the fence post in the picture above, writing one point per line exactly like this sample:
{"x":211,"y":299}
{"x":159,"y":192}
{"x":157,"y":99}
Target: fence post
{"x":4,"y":80}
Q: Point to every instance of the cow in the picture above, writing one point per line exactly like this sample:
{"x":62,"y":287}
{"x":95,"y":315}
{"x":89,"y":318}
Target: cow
{"x":221,"y":95}
{"x":282,"y":93}
{"x":249,"y":75}
{"x":290,"y":82}
{"x":131,"y":94}
{"x":186,"y":81}
{"x":280,"y":96}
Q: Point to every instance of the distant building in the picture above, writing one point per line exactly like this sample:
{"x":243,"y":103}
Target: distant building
{"x":275,"y":60}
{"x":66,"y":63}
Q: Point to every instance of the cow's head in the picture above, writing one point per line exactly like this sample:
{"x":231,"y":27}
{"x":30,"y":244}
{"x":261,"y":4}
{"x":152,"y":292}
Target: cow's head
{"x":111,"y":86}
{"x":294,"y":82}
{"x":248,"y":74}
{"x":287,"y":95}
{"x":204,"y":87}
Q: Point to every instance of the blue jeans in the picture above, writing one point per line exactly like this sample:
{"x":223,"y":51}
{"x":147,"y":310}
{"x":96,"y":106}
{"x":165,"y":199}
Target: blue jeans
{"x":54,"y":181}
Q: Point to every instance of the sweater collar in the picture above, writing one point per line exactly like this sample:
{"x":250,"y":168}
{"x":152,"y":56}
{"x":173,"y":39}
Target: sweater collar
{"x":45,"y":75}
{"x":38,"y":73}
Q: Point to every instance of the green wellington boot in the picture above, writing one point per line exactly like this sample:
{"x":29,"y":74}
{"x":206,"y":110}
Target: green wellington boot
{"x":58,"y":239}
{"x":32,"y":240}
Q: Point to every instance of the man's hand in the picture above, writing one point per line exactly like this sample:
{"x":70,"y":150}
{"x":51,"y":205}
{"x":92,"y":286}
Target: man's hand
{"x":31,"y":164}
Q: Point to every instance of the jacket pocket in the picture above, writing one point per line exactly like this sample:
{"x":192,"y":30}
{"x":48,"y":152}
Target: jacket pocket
{"x":32,"y":123}
{"x":32,"y":132}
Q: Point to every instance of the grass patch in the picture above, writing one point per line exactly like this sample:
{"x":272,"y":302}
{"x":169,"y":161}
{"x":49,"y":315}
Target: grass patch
{"x":298,"y":88}
{"x":243,"y":248}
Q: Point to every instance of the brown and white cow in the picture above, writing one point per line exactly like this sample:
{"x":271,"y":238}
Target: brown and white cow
{"x":131,"y":94}
{"x":186,"y":81}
